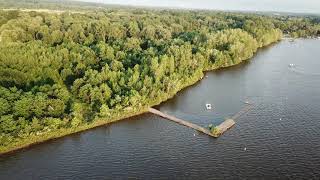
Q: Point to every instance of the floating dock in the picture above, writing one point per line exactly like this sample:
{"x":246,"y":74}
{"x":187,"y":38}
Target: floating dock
{"x":223,"y":127}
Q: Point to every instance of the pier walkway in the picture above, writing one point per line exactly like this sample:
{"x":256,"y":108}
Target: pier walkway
{"x":242,"y":111}
{"x":180,"y":121}
{"x":219,"y":129}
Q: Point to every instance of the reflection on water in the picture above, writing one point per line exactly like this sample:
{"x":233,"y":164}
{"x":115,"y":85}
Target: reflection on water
{"x":278,"y":138}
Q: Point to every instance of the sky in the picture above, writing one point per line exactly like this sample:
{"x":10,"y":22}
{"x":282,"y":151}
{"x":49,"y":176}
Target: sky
{"x":298,"y":6}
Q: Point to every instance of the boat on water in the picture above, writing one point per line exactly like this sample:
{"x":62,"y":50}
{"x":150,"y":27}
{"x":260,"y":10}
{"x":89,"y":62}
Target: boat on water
{"x":208,"y":106}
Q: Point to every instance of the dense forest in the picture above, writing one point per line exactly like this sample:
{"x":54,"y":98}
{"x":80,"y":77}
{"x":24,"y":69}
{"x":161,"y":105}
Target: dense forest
{"x":63,"y":72}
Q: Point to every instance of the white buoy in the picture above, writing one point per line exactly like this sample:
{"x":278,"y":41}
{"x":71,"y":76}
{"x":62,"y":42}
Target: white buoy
{"x":280,"y":119}
{"x":245,"y":149}
{"x":194,"y":134}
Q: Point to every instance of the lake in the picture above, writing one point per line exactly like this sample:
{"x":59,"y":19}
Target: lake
{"x":277,"y":139}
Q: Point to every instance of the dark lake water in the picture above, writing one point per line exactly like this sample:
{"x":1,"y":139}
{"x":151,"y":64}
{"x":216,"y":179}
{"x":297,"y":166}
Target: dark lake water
{"x":281,"y":133}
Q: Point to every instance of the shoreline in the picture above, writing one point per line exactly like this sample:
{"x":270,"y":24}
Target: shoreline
{"x":38,"y":139}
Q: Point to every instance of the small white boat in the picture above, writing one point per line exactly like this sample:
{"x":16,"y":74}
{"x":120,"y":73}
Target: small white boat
{"x":208,"y":106}
{"x":247,"y":102}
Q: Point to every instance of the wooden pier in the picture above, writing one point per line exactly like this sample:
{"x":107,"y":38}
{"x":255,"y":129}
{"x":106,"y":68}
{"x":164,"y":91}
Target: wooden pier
{"x":223,"y":127}
{"x":180,"y":121}
{"x":218,"y":130}
{"x":242,"y":111}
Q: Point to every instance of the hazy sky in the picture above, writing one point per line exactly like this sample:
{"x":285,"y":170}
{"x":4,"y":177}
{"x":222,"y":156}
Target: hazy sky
{"x":304,"y":6}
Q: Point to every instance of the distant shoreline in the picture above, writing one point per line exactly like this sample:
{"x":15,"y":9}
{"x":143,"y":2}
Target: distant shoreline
{"x":102,"y":6}
{"x":50,"y":11}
